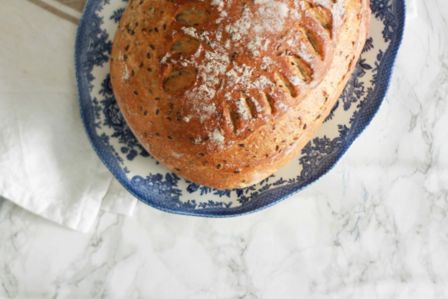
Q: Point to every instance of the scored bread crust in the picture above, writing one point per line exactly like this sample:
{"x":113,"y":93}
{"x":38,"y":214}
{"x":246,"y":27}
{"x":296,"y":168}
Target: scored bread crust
{"x":224,"y":92}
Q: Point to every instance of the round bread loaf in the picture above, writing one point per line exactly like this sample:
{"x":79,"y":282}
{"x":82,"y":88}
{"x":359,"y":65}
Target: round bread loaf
{"x":225,"y":92}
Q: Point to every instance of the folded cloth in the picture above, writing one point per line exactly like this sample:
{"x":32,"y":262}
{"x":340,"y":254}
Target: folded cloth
{"x":47,"y":165}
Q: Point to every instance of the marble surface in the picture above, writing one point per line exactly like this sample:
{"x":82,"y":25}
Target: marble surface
{"x":376,"y":226}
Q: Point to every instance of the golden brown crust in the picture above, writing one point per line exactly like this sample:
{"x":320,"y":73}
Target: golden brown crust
{"x":226,"y":92}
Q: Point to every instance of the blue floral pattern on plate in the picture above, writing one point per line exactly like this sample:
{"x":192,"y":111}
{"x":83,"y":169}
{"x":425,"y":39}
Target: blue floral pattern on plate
{"x":139,"y":173}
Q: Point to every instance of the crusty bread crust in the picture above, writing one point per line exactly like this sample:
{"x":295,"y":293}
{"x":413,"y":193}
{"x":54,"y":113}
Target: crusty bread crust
{"x":226,"y":92}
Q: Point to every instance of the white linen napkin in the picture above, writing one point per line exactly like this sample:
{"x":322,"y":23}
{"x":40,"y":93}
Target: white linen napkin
{"x":47,"y":165}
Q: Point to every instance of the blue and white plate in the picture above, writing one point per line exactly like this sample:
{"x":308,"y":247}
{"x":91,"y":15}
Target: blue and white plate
{"x":156,"y":186}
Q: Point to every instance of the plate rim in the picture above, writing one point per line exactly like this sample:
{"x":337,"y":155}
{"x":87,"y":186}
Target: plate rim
{"x":383,"y":83}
